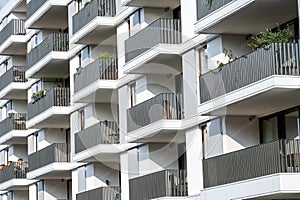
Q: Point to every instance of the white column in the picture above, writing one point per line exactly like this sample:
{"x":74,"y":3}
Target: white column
{"x":190,"y":83}
{"x":188,"y":18}
{"x":123,"y":106}
{"x":129,"y":169}
{"x":32,"y":192}
{"x":194,"y":160}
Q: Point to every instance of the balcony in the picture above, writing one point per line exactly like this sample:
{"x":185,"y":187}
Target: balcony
{"x":141,"y":48}
{"x":167,"y":183}
{"x":96,"y":81}
{"x":49,"y":59}
{"x":51,"y":111}
{"x":269,"y":75}
{"x":47,"y":14}
{"x":156,"y":119}
{"x":152,"y":4}
{"x":99,"y":142}
{"x":104,"y":193}
{"x":96,"y":22}
{"x":281,"y":156}
{"x":51,"y":162}
{"x":13,"y":177}
{"x":13,"y":129}
{"x":233,"y":17}
{"x":13,"y":39}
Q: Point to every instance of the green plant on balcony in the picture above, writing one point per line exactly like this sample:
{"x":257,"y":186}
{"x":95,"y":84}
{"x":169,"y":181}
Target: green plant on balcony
{"x":107,"y":55}
{"x":229,"y":54}
{"x":86,"y":3}
{"x":38,"y":95}
{"x":268,"y":36}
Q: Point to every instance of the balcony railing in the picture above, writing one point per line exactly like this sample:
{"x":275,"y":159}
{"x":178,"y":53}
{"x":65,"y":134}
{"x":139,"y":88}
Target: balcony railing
{"x":15,"y":121}
{"x":14,"y":171}
{"x":33,"y":6}
{"x":161,"y":31}
{"x":103,"y":193}
{"x":102,"y":68}
{"x":270,"y":158}
{"x":54,"y":42}
{"x":274,"y":59}
{"x":95,"y":8}
{"x":14,"y":74}
{"x":104,"y":132}
{"x":162,"y":106}
{"x":53,"y":97}
{"x":14,"y":27}
{"x":205,"y":7}
{"x":168,"y":183}
{"x":57,"y":152}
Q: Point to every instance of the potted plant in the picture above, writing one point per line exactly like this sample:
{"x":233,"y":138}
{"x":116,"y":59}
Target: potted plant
{"x":280,"y":35}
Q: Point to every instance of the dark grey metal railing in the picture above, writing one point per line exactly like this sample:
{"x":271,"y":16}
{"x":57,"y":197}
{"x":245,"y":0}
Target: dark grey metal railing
{"x":53,"y":97}
{"x":54,"y":42}
{"x":14,"y":74}
{"x":104,"y":132}
{"x":162,"y":106}
{"x":274,"y":59}
{"x":103,"y":193}
{"x":57,"y":152}
{"x":15,"y":121}
{"x":15,"y":170}
{"x":95,"y":8}
{"x":102,"y":68}
{"x":33,"y":6}
{"x":161,"y":31}
{"x":160,"y":184}
{"x":204,"y":7}
{"x":270,"y":158}
{"x":14,"y":27}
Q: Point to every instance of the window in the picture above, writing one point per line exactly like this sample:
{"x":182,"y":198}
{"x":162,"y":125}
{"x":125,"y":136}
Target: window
{"x":203,"y":60}
{"x":81,"y":116}
{"x":40,"y":190}
{"x":134,"y":22}
{"x":10,"y":195}
{"x":132,"y":88}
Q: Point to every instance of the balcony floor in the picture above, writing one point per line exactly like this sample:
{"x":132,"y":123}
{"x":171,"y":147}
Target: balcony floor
{"x":258,"y":99}
{"x":56,"y":170}
{"x":49,"y":16}
{"x":54,"y":117}
{"x":16,"y":184}
{"x":276,"y":186}
{"x":14,"y":45}
{"x":16,"y":137}
{"x":241,"y":16}
{"x":152,"y":4}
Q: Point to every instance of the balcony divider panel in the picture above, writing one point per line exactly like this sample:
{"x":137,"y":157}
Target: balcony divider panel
{"x":14,"y":171}
{"x":165,"y":183}
{"x":54,"y":42}
{"x":54,"y":97}
{"x":204,"y":8}
{"x":104,"y":132}
{"x":274,"y":59}
{"x":280,"y":156}
{"x":162,"y":106}
{"x":161,"y":31}
{"x":100,"y":69}
{"x":57,"y":152}
{"x":103,"y":193}
{"x":95,"y":8}
{"x":14,"y":27}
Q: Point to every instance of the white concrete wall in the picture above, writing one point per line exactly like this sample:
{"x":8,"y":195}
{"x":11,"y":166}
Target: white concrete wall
{"x":124,"y":103}
{"x":32,"y":192}
{"x":214,"y":138}
{"x":155,"y":157}
{"x":55,"y":189}
{"x":148,"y":15}
{"x":47,"y":137}
{"x":188,"y":18}
{"x":19,"y":106}
{"x":17,"y":151}
{"x":98,"y":174}
{"x":20,"y":195}
{"x":241,"y":132}
{"x":18,"y":60}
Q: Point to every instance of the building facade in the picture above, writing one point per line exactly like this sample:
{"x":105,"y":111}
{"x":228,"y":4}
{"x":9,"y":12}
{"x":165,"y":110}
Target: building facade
{"x":140,"y":100}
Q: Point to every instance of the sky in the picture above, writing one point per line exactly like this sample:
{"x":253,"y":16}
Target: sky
{"x":3,"y":2}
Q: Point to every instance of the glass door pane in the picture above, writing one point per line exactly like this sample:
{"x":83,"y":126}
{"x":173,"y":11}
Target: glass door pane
{"x":269,"y":130}
{"x":291,"y":125}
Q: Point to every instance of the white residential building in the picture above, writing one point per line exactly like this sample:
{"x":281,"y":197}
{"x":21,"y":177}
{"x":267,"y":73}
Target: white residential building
{"x":149,"y":100}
